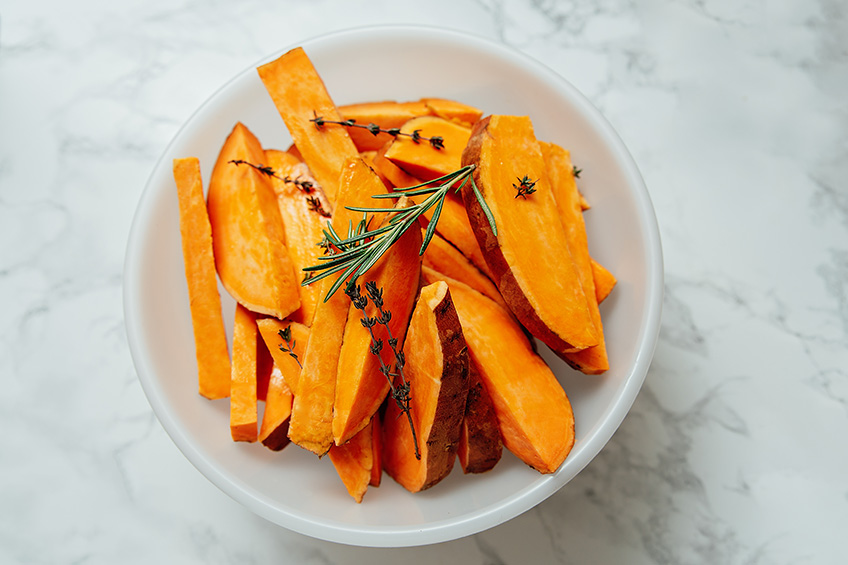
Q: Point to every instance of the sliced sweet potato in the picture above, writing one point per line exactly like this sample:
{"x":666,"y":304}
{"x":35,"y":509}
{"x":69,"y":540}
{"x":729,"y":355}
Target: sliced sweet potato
{"x":210,"y":338}
{"x":302,"y":223}
{"x":437,"y":372}
{"x":311,"y":424}
{"x":386,"y":115}
{"x":592,"y":360}
{"x":529,"y":257}
{"x":264,"y":367}
{"x":300,"y":95}
{"x":388,"y":171}
{"x":361,"y":387}
{"x":534,"y":413}
{"x":420,"y":159}
{"x":604,"y":281}
{"x":445,"y":258}
{"x":269,"y":329}
{"x":274,"y":430}
{"x":243,"y":414}
{"x":480,"y":447}
{"x":454,"y":226}
{"x":247,"y":231}
{"x":453,"y":111}
{"x":354,"y":462}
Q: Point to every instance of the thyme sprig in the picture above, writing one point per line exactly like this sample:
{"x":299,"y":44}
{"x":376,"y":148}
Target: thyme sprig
{"x":525,"y":187}
{"x":400,"y":391}
{"x":437,"y":141}
{"x":286,"y":336}
{"x":358,"y":253}
{"x":305,"y":186}
{"x":575,"y":171}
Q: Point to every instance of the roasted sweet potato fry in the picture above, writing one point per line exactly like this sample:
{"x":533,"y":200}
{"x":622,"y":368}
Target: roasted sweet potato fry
{"x":243,"y":413}
{"x":419,"y":158}
{"x":305,"y":212}
{"x":529,"y":257}
{"x":247,"y":231}
{"x":534,"y":413}
{"x":386,"y":115}
{"x":453,"y":111}
{"x":312,"y":414}
{"x":269,"y":329}
{"x":437,"y":371}
{"x":604,"y":281}
{"x":592,"y":360}
{"x":210,"y":338}
{"x":354,"y":462}
{"x":361,"y":387}
{"x":300,"y":96}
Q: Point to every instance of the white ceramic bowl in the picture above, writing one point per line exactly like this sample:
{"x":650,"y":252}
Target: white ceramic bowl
{"x":295,"y":489}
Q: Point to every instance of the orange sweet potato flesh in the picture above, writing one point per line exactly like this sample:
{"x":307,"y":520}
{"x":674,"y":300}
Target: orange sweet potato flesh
{"x":480,"y":447}
{"x":455,"y":227}
{"x":269,"y":330}
{"x":264,"y":368}
{"x":210,"y":338}
{"x":360,"y":386}
{"x":534,"y":414}
{"x":604,"y":281}
{"x":397,"y":177}
{"x":354,"y":462}
{"x":247,"y":231}
{"x":445,"y":258}
{"x":386,"y":114}
{"x":301,"y":223}
{"x":300,"y":95}
{"x":453,"y":111}
{"x":529,"y":257}
{"x":311,"y":424}
{"x":420,"y":159}
{"x":273,"y":431}
{"x":592,"y":360}
{"x":437,"y":371}
{"x":243,"y":414}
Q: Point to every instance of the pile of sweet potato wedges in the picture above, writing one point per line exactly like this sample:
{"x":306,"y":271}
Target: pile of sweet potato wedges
{"x":301,"y":368}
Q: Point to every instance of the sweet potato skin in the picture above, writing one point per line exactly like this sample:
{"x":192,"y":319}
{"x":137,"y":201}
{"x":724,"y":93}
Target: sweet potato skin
{"x":437,"y":370}
{"x":534,"y":414}
{"x":480,"y":447}
{"x":545,"y":296}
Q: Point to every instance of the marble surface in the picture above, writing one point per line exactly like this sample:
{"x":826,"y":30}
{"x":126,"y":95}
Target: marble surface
{"x":734,"y":452}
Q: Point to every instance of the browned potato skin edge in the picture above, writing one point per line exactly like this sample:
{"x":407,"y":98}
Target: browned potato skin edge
{"x":488,"y":241}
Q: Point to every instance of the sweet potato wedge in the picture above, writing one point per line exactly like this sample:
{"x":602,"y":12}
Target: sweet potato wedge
{"x":420,"y":159}
{"x":480,"y":447}
{"x":311,"y":424}
{"x":354,"y":462}
{"x":210,"y":338}
{"x":453,"y":111}
{"x":604,"y":281}
{"x":247,"y":231}
{"x":455,"y":227}
{"x":388,"y":171}
{"x":273,"y":431}
{"x":529,"y":257}
{"x":269,"y":330}
{"x":445,"y":258}
{"x":534,"y":414}
{"x":361,"y":387}
{"x":303,"y":223}
{"x":243,"y":413}
{"x":386,"y":114}
{"x":300,"y":95}
{"x":437,"y":371}
{"x":592,"y":360}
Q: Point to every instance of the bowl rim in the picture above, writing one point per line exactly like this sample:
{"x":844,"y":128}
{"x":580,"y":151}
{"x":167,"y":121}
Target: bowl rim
{"x":509,"y":507}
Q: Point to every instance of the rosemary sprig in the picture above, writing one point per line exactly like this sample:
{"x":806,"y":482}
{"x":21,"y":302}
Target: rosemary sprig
{"x":437,"y":141}
{"x":400,"y":391}
{"x":524,"y":187}
{"x":358,"y":253}
{"x":285,"y":334}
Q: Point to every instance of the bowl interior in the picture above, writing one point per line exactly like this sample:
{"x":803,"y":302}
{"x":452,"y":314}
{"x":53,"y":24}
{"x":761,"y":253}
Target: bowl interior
{"x":293,"y":488}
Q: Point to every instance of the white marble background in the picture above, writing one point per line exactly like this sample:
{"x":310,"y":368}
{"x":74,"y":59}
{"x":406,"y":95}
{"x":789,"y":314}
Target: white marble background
{"x":735,"y":451}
